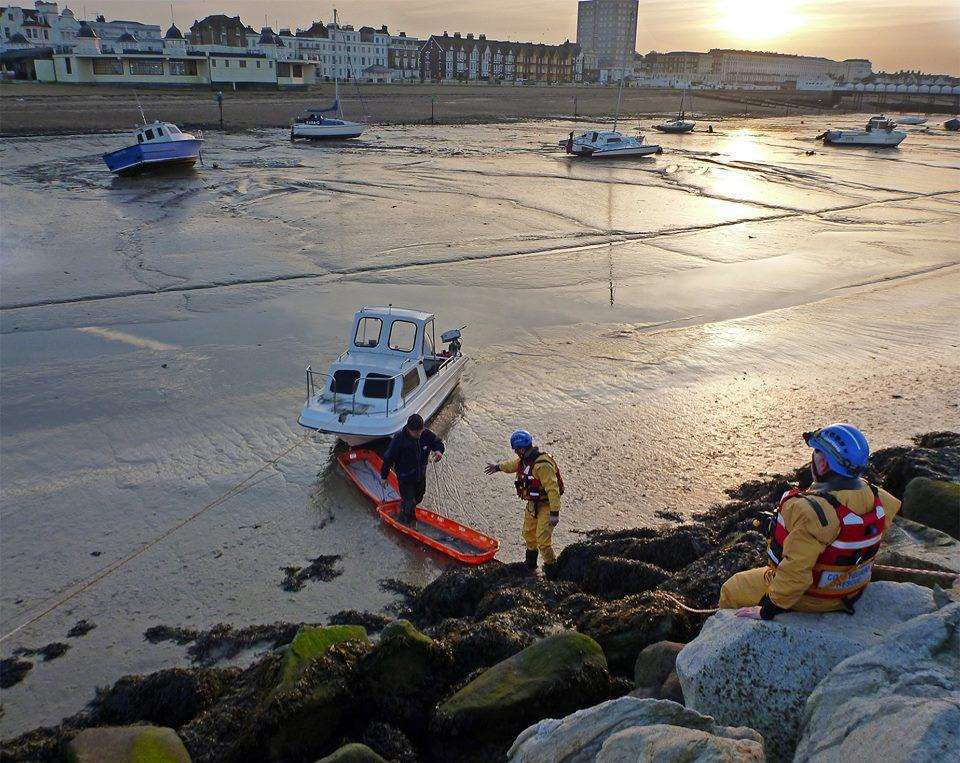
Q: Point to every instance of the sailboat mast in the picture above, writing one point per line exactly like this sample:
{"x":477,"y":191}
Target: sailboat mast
{"x":336,"y":68}
{"x":616,"y":117}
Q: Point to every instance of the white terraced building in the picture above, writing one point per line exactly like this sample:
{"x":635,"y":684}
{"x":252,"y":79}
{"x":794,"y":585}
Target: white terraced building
{"x":45,"y":25}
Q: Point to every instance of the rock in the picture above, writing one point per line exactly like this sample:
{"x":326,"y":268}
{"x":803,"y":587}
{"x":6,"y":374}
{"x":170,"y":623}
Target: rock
{"x":127,"y":744}
{"x":312,"y":642}
{"x":674,"y":743}
{"x":494,"y":639}
{"x":936,"y":457}
{"x":389,"y":742}
{"x":459,"y":591}
{"x":170,"y":697}
{"x":625,"y":626}
{"x":933,"y":503}
{"x":655,"y":664}
{"x":579,"y":737}
{"x":403,"y":676}
{"x":353,"y":753}
{"x":700,"y":581}
{"x":896,"y":702}
{"x":759,"y":674}
{"x":554,"y":676}
{"x":911,"y":544}
{"x":613,"y":577}
{"x":672,"y":690}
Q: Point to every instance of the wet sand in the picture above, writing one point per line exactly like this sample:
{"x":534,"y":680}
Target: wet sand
{"x":37,"y":109}
{"x":667,"y":327}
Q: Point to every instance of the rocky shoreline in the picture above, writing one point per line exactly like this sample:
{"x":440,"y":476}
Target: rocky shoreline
{"x":480,"y":656}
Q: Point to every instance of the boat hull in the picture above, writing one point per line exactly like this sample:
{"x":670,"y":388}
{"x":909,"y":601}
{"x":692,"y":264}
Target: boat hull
{"x":675,"y":129}
{"x":871,"y":139}
{"x":146,"y":157}
{"x":362,"y":428}
{"x":590,"y":153}
{"x":326,"y":132}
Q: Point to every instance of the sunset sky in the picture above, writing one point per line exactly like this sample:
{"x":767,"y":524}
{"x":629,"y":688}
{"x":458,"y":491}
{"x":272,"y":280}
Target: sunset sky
{"x":894,"y":34}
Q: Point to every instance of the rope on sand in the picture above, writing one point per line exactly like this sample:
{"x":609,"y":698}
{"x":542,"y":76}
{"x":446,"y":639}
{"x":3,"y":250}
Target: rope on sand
{"x":240,"y":487}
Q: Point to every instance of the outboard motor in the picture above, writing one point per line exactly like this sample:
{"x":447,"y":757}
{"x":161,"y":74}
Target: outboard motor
{"x":452,"y":338}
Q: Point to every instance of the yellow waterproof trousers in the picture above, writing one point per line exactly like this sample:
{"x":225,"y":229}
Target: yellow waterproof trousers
{"x":537,"y":530}
{"x":745,"y":589}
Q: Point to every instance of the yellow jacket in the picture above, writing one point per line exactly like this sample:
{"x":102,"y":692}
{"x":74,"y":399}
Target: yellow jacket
{"x":809,"y":536}
{"x":545,"y":471}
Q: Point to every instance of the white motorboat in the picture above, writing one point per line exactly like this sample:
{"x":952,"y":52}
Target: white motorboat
{"x":598,"y":145}
{"x":314,"y":125}
{"x":393,"y":369}
{"x":678,"y":125}
{"x":909,"y":119}
{"x":878,"y":132}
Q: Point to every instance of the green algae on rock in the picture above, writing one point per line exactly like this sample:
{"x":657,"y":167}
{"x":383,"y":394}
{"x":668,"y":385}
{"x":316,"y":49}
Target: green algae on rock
{"x":933,"y":503}
{"x":312,"y":642}
{"x":127,"y":744}
{"x":353,"y":753}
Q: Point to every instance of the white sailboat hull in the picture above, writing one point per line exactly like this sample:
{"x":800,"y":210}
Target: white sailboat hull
{"x":317,"y":131}
{"x":675,"y":127}
{"x":641,"y":150}
{"x":359,"y":428}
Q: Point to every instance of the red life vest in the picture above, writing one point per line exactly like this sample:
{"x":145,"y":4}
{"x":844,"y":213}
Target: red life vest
{"x":843,"y":570}
{"x":528,"y":486}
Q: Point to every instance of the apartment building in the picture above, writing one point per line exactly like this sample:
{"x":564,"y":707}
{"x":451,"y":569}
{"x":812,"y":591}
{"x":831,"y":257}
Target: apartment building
{"x":608,"y":28}
{"x":468,"y":58}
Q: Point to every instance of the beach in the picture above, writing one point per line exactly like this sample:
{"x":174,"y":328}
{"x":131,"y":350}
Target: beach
{"x":666,"y":327}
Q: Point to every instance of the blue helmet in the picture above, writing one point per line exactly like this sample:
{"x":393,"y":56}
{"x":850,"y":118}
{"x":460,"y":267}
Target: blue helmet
{"x":844,"y":447}
{"x":521,"y":439}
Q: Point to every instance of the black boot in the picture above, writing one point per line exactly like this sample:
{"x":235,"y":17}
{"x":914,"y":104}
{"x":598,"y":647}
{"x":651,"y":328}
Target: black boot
{"x":550,"y":570}
{"x":532,"y":560}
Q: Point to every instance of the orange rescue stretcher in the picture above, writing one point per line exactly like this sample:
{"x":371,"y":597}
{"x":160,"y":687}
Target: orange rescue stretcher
{"x":362,"y":467}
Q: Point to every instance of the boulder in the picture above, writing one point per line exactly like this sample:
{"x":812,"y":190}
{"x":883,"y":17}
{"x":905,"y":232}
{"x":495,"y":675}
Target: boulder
{"x":936,"y":455}
{"x":312,"y":642}
{"x":671,"y":689}
{"x":675,"y":743}
{"x":402,"y":677}
{"x":933,"y":503}
{"x":553,"y":676}
{"x":353,"y":753}
{"x":614,"y":577}
{"x":916,"y":546}
{"x":759,"y":674}
{"x":896,"y":702}
{"x":654,"y":665}
{"x":580,"y":737}
{"x":127,"y":744}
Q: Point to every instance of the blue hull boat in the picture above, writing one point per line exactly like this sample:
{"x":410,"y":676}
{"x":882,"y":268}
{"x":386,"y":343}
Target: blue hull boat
{"x":151,"y":156}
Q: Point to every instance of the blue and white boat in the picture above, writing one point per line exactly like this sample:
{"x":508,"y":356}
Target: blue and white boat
{"x":159,"y":145}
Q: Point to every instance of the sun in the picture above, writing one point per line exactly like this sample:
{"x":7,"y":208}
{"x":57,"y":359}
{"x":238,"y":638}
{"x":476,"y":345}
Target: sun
{"x":758,"y":20}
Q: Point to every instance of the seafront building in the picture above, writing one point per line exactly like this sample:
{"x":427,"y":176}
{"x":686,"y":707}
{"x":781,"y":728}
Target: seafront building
{"x":608,"y":29}
{"x":468,"y":58}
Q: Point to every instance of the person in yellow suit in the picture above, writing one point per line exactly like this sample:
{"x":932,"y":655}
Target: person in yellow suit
{"x":540,"y":484}
{"x":821,"y":541}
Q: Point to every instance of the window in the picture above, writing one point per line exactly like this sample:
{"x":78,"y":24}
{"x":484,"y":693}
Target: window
{"x":428,"y":348}
{"x":68,"y":65}
{"x":258,"y":64}
{"x":368,"y":332}
{"x":173,"y":129}
{"x":344,"y":381}
{"x":139,"y":137}
{"x":148,"y":135}
{"x":148,"y":66}
{"x":297,"y":70}
{"x":378,"y":386}
{"x":226,"y":64}
{"x":411,"y":381}
{"x":160,"y":132}
{"x":243,"y":64}
{"x":183,"y":68}
{"x":403,"y":335}
{"x":213,"y":62}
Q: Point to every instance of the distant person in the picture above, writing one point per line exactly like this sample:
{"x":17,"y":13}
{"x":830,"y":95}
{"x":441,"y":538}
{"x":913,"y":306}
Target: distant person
{"x":409,"y":453}
{"x":822,"y":540}
{"x":710,"y":128}
{"x":540,"y":484}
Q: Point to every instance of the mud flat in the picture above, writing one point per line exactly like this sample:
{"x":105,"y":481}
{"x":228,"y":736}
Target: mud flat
{"x":35,"y":109}
{"x":665,"y":327}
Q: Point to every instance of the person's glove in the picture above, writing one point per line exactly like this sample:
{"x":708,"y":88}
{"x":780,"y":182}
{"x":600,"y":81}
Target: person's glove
{"x":492,"y":468}
{"x":554,"y":518}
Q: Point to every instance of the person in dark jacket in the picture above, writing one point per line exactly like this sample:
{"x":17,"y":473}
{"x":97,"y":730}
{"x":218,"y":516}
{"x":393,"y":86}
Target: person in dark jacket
{"x":409,"y":453}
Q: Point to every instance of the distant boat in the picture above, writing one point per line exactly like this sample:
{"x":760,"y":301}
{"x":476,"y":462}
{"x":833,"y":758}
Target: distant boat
{"x":879,"y":132}
{"x":952,"y":124}
{"x":599,"y":145}
{"x":678,"y":125}
{"x":158,"y":146}
{"x":911,"y":120}
{"x":314,"y":125}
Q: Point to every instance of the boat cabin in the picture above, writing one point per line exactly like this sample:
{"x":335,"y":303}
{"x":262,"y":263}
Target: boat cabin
{"x":393,"y":354}
{"x":158,"y":132}
{"x":879,"y":123}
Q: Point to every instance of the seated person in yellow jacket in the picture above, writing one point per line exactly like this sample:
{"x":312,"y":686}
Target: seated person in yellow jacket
{"x":822,"y":540}
{"x":540,"y":484}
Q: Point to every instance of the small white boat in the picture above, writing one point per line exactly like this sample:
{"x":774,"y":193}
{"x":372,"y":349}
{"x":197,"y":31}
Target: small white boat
{"x":159,"y":145}
{"x":393,"y":369}
{"x":907,"y":119}
{"x":314,"y":125}
{"x":678,"y":125}
{"x":598,"y":145}
{"x":878,"y":132}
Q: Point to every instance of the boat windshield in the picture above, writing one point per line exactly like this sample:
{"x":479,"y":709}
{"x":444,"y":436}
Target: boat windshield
{"x":403,"y":335}
{"x":368,"y":332}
